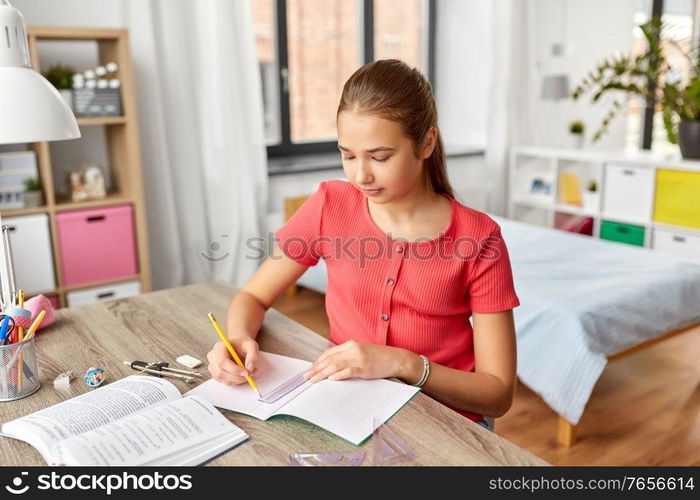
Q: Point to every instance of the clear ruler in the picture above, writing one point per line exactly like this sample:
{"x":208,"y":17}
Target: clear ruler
{"x":283,"y":389}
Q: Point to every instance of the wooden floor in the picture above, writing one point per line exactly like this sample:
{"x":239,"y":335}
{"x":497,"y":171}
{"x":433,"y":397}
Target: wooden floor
{"x":645,"y":409}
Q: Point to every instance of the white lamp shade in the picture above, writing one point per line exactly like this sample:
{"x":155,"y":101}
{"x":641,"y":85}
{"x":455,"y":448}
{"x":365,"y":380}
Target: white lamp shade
{"x":555,"y":87}
{"x":32,"y":109}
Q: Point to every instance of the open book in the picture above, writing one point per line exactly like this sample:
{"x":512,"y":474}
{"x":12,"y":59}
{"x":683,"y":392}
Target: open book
{"x":347,"y":408}
{"x":138,"y":420}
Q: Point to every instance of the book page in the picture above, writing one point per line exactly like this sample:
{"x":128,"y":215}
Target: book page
{"x":271,"y":371}
{"x":44,"y":428}
{"x":347,"y":408}
{"x":154,"y":436}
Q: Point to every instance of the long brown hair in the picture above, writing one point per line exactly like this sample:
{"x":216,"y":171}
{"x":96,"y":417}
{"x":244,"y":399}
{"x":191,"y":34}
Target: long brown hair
{"x":392,"y":90}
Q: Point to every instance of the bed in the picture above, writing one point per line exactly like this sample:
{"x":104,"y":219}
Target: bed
{"x":584,"y":302}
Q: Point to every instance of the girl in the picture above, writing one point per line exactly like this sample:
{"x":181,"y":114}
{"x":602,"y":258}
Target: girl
{"x":407,"y":264}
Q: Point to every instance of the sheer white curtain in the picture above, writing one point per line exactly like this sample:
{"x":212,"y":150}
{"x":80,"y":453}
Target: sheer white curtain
{"x":514,"y":93}
{"x":202,"y":137}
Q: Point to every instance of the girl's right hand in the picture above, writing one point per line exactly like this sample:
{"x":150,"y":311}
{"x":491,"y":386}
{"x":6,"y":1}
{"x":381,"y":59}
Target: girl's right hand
{"x":223,"y":367}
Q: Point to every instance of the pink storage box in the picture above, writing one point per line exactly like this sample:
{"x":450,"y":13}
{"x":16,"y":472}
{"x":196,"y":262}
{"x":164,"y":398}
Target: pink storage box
{"x":97,"y":244}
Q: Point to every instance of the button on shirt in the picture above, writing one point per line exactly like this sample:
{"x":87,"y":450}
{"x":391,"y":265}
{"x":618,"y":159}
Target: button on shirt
{"x":417,"y":295}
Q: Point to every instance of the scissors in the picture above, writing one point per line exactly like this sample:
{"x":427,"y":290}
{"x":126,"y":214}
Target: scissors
{"x":8,"y":324}
{"x":162,"y":370}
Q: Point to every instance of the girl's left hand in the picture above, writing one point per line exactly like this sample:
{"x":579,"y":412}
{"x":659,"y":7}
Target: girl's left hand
{"x":357,"y":359}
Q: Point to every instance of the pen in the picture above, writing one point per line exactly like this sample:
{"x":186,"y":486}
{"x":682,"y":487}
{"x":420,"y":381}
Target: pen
{"x":232,"y":351}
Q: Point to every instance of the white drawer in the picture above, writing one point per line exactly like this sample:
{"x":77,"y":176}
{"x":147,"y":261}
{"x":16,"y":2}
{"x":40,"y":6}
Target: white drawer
{"x":628,"y":192}
{"x":31,"y":252}
{"x":103,"y":293}
{"x":679,"y":244}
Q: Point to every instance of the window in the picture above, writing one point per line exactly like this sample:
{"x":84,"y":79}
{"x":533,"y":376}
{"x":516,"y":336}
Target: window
{"x":399,"y":31}
{"x":265,"y":46}
{"x":647,"y":131}
{"x":323,"y":41}
{"x":307,"y":49}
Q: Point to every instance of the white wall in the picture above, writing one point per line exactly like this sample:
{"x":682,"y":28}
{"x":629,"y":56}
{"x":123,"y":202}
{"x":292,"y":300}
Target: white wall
{"x":73,"y":13}
{"x":462,"y":66}
{"x":595,"y":29}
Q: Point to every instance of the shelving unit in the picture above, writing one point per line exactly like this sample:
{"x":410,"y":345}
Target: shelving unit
{"x":628,"y":193}
{"x":122,"y":139}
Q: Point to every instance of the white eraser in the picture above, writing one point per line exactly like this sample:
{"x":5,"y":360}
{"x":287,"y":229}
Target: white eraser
{"x":63,"y":379}
{"x":188,"y":361}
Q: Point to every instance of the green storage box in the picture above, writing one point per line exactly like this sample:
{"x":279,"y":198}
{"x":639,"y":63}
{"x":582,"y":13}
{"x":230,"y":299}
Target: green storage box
{"x":624,"y":233}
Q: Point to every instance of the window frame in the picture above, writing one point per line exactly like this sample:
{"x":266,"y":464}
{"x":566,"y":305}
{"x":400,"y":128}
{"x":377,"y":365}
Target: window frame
{"x":286,"y":147}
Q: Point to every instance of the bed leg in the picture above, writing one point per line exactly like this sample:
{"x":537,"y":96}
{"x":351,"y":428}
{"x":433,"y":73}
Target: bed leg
{"x":566,"y":433}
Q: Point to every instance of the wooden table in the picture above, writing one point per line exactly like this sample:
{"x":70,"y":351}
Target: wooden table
{"x":162,"y":325}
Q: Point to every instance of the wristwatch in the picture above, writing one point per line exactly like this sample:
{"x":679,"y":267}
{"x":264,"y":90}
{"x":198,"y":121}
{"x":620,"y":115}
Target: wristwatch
{"x":426,"y":372}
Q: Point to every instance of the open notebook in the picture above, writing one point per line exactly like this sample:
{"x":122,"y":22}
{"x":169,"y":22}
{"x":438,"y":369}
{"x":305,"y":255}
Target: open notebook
{"x":344,"y":407}
{"x":138,"y":420}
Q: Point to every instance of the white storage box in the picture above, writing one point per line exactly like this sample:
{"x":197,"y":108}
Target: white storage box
{"x":31,"y":252}
{"x":103,"y":293}
{"x":628,"y":193}
{"x":681,"y":245}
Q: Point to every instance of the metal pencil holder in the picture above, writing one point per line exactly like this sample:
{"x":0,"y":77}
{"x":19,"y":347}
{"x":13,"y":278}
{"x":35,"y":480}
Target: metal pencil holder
{"x":19,"y":377}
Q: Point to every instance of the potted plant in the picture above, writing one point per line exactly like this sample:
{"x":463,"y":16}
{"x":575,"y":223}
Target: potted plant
{"x":650,"y":75}
{"x":61,"y":77}
{"x":32,"y":192}
{"x":590,"y":196}
{"x":576,"y":128}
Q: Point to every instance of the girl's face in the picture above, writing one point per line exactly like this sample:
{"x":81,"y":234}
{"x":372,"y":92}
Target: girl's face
{"x":378,"y":159}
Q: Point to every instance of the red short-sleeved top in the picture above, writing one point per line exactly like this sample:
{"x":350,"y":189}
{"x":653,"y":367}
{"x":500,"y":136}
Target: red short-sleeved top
{"x":416,"y":295}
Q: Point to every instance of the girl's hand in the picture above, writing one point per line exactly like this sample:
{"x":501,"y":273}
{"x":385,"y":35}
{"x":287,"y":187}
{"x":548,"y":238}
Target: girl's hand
{"x":222,"y":366}
{"x":361,"y":360}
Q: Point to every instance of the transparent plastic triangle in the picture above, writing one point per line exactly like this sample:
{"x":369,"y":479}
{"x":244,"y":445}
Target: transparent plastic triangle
{"x":388,"y":448}
{"x":337,"y":459}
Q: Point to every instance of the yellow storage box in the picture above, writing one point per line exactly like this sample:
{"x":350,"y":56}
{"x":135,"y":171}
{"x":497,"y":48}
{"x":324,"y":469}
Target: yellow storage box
{"x":677,"y":200}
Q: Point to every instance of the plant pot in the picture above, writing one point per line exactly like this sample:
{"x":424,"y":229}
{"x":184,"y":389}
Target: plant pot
{"x":689,"y":138}
{"x":577,"y":141}
{"x":32,"y":199}
{"x":590,"y":200}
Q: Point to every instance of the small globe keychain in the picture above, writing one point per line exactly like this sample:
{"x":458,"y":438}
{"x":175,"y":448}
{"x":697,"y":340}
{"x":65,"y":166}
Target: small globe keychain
{"x":94,"y":376}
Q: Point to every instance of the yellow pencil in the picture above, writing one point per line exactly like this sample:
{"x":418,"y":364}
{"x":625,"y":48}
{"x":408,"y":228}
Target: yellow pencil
{"x":230,"y":348}
{"x":35,"y":325}
{"x":20,"y":338}
{"x":20,"y":299}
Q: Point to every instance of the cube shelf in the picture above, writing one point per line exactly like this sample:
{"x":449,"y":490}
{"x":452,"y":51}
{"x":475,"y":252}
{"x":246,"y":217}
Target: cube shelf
{"x":122,"y":152}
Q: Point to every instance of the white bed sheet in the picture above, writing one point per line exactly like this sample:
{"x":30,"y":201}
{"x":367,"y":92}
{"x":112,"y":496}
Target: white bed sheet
{"x":583,"y":299}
